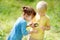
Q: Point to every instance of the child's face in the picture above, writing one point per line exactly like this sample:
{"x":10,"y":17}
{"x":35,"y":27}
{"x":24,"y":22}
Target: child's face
{"x":41,"y":12}
{"x":28,"y":18}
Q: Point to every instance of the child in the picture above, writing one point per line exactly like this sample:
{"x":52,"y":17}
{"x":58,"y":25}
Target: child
{"x":42,"y":20}
{"x":19,"y":28}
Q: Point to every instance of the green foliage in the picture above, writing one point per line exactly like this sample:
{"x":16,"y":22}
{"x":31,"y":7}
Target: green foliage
{"x":26,"y":0}
{"x":10,"y":10}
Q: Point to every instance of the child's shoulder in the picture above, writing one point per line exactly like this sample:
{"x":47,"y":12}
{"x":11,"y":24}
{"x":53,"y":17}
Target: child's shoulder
{"x":47,"y":17}
{"x":21,"y":20}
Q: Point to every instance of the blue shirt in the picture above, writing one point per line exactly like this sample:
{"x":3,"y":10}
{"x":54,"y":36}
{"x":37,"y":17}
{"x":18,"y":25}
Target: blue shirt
{"x":18,"y":30}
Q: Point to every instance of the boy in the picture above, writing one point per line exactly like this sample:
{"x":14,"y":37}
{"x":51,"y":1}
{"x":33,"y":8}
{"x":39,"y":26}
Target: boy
{"x":42,"y":20}
{"x":19,"y":28}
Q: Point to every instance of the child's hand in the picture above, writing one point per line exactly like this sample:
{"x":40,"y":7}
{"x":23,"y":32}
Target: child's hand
{"x":32,"y":25}
{"x":34,"y":31}
{"x":43,"y":28}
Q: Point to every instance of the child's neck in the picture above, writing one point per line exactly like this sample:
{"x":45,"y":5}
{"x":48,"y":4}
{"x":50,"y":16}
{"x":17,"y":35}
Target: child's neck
{"x":25,"y":19}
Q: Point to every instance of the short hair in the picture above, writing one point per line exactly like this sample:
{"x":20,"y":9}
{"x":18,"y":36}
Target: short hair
{"x":41,"y":5}
{"x":28,"y":10}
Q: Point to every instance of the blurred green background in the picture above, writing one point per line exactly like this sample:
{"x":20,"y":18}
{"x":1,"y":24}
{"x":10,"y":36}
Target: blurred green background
{"x":10,"y":10}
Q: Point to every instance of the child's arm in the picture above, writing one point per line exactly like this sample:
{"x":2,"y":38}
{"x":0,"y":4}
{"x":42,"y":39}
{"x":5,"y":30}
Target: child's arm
{"x":23,"y":28}
{"x":48,"y":25}
{"x":24,"y":31}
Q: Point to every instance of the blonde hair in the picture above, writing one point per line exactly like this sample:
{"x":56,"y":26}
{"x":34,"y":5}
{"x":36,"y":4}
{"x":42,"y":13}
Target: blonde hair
{"x":42,"y":5}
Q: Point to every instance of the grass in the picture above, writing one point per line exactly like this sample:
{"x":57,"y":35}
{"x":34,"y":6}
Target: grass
{"x":10,"y":10}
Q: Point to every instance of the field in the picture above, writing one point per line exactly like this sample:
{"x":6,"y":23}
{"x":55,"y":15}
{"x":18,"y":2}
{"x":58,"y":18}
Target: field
{"x":10,"y":10}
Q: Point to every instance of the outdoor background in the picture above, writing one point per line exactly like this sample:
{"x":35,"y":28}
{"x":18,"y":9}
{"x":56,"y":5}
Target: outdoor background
{"x":10,"y":10}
